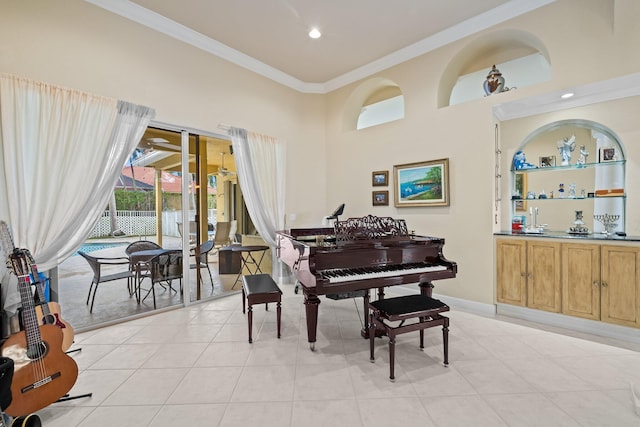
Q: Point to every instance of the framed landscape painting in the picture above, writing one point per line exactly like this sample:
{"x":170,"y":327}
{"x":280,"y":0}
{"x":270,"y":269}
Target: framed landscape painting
{"x":422,"y":184}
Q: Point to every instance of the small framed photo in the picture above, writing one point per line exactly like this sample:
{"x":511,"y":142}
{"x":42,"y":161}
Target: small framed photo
{"x":380,"y":198}
{"x":380,"y":178}
{"x":608,"y":155}
{"x":547,"y":161}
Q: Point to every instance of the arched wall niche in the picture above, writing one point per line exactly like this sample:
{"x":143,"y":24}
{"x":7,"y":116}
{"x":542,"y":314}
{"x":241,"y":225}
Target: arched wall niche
{"x":483,"y":52}
{"x":591,"y":174}
{"x":591,"y":126}
{"x":370,"y":91}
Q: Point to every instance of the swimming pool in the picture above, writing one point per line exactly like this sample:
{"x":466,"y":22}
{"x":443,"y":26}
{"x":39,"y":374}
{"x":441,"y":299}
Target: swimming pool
{"x":91,"y":247}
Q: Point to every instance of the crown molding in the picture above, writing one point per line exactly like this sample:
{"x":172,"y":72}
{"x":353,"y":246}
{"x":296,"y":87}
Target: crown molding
{"x":592,"y":93}
{"x":157,"y":22}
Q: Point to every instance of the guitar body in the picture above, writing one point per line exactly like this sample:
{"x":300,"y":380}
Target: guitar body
{"x":38,"y":381}
{"x":50,"y":315}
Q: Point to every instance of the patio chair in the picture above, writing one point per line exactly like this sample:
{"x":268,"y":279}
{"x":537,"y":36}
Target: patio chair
{"x":141,"y":245}
{"x":137,"y":246}
{"x":163,"y":270}
{"x":97,"y":264}
{"x":222,"y":236}
{"x":202,"y":261}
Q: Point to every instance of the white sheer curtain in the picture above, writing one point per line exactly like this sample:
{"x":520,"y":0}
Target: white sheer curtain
{"x":260,"y":162}
{"x":61,"y":152}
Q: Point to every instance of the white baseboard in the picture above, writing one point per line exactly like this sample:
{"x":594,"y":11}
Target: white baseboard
{"x":603,"y":329}
{"x":453,"y":302}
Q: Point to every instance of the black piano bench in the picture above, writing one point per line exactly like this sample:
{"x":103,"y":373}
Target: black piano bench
{"x":427,"y":310}
{"x":258,"y":289}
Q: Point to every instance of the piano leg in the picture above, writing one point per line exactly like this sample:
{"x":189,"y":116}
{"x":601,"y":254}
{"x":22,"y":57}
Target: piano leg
{"x":365,"y":328}
{"x":426,"y":289}
{"x":311,"y":302}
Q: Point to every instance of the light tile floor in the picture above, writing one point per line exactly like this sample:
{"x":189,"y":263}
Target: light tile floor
{"x":194,"y":367}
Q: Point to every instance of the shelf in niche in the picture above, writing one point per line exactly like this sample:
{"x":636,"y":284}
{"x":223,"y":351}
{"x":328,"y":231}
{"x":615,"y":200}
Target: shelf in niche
{"x":570,"y":167}
{"x":569,"y":198}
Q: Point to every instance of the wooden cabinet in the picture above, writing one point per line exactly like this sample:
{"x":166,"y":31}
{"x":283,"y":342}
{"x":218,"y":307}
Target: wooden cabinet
{"x":512,"y":271}
{"x":620,"y":287}
{"x":581,"y":280}
{"x":528,"y":273}
{"x":589,"y":280}
{"x":543,"y":275}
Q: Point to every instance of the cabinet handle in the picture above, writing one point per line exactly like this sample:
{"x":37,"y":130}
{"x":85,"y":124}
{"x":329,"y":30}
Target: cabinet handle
{"x":523,"y":274}
{"x":595,"y":283}
{"x":604,"y":284}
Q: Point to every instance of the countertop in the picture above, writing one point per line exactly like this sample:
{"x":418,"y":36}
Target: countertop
{"x":564,"y":235}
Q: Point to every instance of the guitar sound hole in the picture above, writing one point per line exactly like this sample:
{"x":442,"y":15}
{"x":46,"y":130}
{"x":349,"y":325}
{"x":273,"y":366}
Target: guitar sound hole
{"x":38,"y":351}
{"x":49,"y":319}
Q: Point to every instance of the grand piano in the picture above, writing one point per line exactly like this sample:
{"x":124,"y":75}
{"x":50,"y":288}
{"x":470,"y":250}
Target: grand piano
{"x":356,"y":255}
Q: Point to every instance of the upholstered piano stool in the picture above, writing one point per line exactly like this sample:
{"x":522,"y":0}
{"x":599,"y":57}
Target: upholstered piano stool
{"x":427,"y":310}
{"x":259,"y":289}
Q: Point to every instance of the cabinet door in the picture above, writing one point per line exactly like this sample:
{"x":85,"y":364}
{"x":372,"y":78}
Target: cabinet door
{"x":581,"y":280}
{"x":543,"y":278}
{"x":511,"y":271}
{"x":620,"y":285}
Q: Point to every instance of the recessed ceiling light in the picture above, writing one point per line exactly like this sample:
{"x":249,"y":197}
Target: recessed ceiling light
{"x":567,"y":95}
{"x":315,"y":33}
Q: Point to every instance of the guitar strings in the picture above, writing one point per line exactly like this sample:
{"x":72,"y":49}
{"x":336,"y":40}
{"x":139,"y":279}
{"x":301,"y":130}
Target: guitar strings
{"x":32,"y":331}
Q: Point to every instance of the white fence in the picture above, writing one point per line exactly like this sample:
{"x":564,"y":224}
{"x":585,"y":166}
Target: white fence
{"x":143,"y":223}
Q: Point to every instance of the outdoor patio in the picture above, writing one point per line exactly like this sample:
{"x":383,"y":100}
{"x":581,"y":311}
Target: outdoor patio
{"x":113,"y":302}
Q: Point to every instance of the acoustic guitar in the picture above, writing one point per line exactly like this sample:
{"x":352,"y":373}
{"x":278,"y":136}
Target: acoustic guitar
{"x":46,"y":313}
{"x":43,"y":373}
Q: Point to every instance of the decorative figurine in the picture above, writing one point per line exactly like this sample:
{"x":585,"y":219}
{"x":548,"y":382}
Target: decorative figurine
{"x":561,"y":191}
{"x":583,"y":156}
{"x":572,"y":190}
{"x":578,"y":225}
{"x":494,"y":82}
{"x":520,"y":161}
{"x":566,"y":146}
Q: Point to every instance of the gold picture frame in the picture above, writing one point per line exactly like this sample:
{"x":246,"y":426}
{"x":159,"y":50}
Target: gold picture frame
{"x":422,"y":183}
{"x":521,"y":188}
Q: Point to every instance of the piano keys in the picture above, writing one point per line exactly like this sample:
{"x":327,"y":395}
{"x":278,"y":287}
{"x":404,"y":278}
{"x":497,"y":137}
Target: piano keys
{"x":357,"y":255}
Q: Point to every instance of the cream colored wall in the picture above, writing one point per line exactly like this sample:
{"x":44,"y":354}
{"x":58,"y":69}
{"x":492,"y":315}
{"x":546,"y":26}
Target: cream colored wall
{"x":75,"y":44}
{"x":465,"y":133}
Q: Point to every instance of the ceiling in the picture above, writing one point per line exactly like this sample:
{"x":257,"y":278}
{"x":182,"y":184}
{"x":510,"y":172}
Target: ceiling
{"x":164,"y":151}
{"x":360,"y":37}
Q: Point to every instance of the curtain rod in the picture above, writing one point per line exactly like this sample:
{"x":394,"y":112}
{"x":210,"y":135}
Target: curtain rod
{"x":224,"y":127}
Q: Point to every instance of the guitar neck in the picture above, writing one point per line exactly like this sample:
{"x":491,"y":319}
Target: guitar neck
{"x":29,"y":318}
